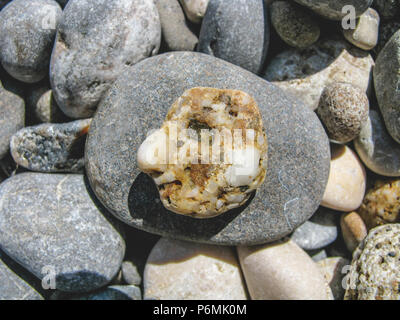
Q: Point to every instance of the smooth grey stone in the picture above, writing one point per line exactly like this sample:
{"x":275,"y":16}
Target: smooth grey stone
{"x":27,"y":32}
{"x":236,"y":31}
{"x":386,"y":81}
{"x":12,"y":118}
{"x":130,"y":273}
{"x":298,"y":158}
{"x":97,"y":40}
{"x":320,"y":231}
{"x":332,"y":9}
{"x":51,"y":147}
{"x":376,"y":148}
{"x":176,"y":33}
{"x":49,"y":222}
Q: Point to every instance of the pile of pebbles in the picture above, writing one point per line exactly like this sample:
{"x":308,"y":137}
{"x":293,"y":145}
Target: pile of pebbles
{"x":83,"y":83}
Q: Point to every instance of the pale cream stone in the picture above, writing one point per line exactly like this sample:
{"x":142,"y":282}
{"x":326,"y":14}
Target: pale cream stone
{"x":282,"y":271}
{"x":195,"y":9}
{"x":347,"y":180}
{"x":180,"y":270}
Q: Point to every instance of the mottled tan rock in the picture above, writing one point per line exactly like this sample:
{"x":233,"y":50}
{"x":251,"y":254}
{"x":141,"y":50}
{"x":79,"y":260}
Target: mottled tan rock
{"x":178,"y":270}
{"x":194,"y":9}
{"x":365,"y":36}
{"x":282,"y":271}
{"x":381,"y":204}
{"x":334,"y":270}
{"x":347,"y":180}
{"x":353,"y":230}
{"x":375,"y":269}
{"x":210,"y":153}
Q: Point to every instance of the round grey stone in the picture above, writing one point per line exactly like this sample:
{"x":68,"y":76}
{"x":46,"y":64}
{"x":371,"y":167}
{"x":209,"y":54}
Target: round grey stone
{"x":298,"y":152}
{"x":27,"y":32}
{"x":96,"y":40}
{"x":236,"y":31}
{"x":49,"y":222}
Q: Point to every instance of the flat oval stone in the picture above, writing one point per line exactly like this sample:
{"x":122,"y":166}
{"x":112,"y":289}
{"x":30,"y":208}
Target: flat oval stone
{"x":298,"y":152}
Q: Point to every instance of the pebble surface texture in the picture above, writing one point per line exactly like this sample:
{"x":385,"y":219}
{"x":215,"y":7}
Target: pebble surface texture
{"x":195,"y":9}
{"x":386,"y":85}
{"x":333,"y":9}
{"x":12,"y":118}
{"x":50,"y":220}
{"x":51,"y":147}
{"x":376,"y":148}
{"x":282,"y":271}
{"x":305,"y":73}
{"x":236,"y":31}
{"x":353,"y":230}
{"x":295,"y":26}
{"x":27,"y":32}
{"x":178,"y":270}
{"x":96,"y":41}
{"x":375,"y":269}
{"x":381,"y":204}
{"x":298,"y":152}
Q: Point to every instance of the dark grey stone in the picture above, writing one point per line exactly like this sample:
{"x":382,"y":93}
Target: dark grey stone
{"x":236,"y":31}
{"x":27,"y":32}
{"x":387,"y":8}
{"x":12,"y":118}
{"x":332,"y":9}
{"x":51,"y":147}
{"x":176,"y":33}
{"x":49,"y":220}
{"x":386,"y":30}
{"x":96,"y":40}
{"x":320,"y":231}
{"x":298,"y":152}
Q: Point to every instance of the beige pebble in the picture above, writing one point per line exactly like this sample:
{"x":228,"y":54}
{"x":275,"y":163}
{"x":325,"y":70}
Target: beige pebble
{"x":353,"y":230}
{"x":195,"y":9}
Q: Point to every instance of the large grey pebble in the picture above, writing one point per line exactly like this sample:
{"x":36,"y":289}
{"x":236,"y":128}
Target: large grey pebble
{"x":48,"y":222}
{"x":27,"y":32}
{"x":298,"y":159}
{"x":236,"y":31}
{"x":96,"y":41}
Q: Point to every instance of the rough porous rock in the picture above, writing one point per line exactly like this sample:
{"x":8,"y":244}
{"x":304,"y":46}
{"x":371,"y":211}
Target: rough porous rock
{"x":318,"y":232}
{"x":51,"y":147}
{"x":375,"y":269}
{"x":298,"y":152}
{"x":297,"y":27}
{"x":49,"y":222}
{"x":386,"y":80}
{"x":334,"y":270}
{"x":236,"y":31}
{"x":353,"y":230}
{"x":12,"y":118}
{"x":130,"y":273}
{"x":305,"y":73}
{"x":282,"y":271}
{"x":97,"y":40}
{"x":365,"y":35}
{"x":347,"y":180}
{"x":195,"y":9}
{"x":176,"y":33}
{"x":27,"y":32}
{"x":376,"y":148}
{"x":333,"y":9}
{"x":381,"y":204}
{"x":387,"y":8}
{"x":194,"y":180}
{"x":178,"y":270}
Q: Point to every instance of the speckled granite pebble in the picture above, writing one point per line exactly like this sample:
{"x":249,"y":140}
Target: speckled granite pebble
{"x":51,"y":147}
{"x":49,"y":220}
{"x":298,"y":159}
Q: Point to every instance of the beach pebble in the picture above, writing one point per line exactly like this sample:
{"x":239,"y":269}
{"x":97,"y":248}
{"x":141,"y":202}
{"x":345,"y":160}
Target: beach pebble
{"x":50,"y":224}
{"x":375,"y":269}
{"x":51,"y":147}
{"x":27,"y":32}
{"x":347,"y":180}
{"x":178,"y":270}
{"x":305,"y":73}
{"x":297,"y":27}
{"x":334,"y":270}
{"x":236,"y":31}
{"x":130,"y":273}
{"x":353,"y":229}
{"x":195,"y":9}
{"x":97,"y":40}
{"x":282,"y":271}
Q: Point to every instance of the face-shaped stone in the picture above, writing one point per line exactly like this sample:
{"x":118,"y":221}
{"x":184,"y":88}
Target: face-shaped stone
{"x":210,"y":153}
